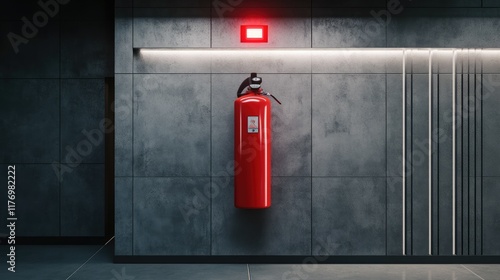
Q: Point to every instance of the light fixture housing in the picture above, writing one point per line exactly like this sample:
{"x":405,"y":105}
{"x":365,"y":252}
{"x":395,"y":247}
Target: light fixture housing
{"x":254,"y":33}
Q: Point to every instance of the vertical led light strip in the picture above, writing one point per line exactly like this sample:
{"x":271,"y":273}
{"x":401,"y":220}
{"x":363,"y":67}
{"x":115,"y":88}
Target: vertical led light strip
{"x":404,"y":153}
{"x":430,"y":151}
{"x":454,"y":152}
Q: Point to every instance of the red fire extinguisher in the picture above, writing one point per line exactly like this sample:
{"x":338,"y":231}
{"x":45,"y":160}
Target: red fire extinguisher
{"x":252,"y":145}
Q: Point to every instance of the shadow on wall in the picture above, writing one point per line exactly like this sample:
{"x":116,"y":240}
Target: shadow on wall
{"x":249,"y":237}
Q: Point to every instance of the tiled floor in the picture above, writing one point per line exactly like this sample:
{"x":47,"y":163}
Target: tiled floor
{"x":69,"y":262}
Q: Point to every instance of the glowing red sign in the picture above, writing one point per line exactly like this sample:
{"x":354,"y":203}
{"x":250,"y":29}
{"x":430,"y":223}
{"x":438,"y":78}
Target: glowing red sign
{"x":254,"y":33}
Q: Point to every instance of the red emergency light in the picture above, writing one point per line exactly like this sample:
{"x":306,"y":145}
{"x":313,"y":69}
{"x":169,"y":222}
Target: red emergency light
{"x":254,"y":33}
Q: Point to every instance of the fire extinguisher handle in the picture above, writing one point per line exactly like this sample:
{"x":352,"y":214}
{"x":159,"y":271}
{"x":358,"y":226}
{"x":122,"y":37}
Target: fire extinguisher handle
{"x":243,"y":86}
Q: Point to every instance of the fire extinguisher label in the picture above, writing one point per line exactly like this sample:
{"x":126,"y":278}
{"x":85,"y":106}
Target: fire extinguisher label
{"x":253,"y":124}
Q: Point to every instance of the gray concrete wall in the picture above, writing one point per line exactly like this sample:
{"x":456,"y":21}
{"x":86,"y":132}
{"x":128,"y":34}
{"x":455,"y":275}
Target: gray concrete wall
{"x":337,"y":138}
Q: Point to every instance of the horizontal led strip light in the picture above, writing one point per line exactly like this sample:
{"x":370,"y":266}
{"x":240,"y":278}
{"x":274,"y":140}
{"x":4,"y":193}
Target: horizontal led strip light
{"x":296,"y":51}
{"x":306,"y":50}
{"x":269,"y":49}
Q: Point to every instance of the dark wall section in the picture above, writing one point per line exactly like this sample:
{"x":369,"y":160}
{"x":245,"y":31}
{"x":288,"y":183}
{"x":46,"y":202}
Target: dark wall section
{"x":52,"y":96}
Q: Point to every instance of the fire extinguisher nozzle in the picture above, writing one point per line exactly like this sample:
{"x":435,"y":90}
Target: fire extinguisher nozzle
{"x":276,"y":99}
{"x":269,"y":94}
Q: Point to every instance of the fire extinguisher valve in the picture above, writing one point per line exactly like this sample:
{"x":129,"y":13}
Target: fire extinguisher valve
{"x":253,"y":84}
